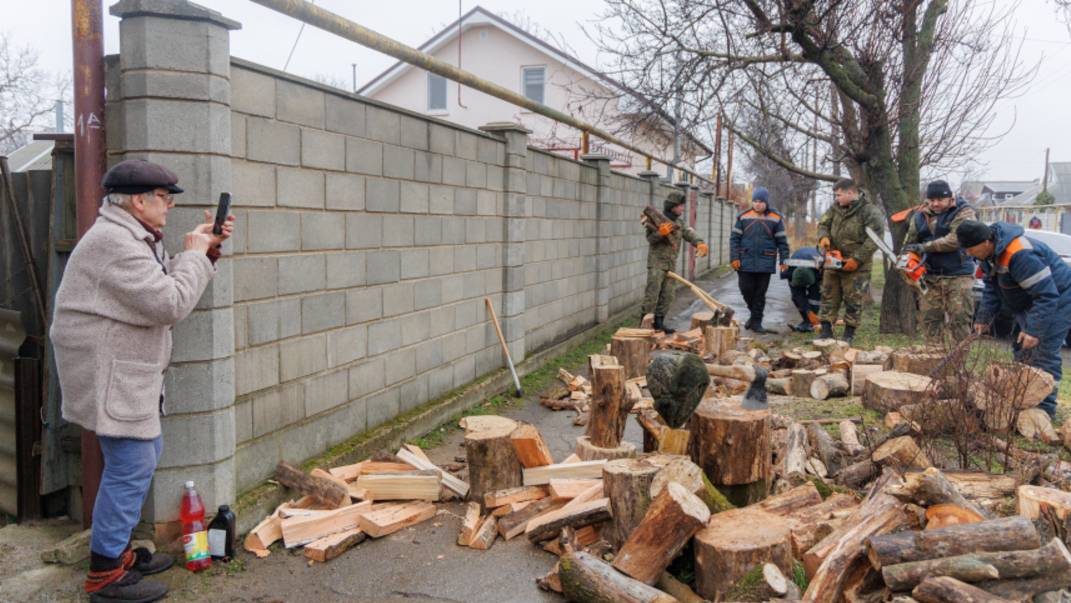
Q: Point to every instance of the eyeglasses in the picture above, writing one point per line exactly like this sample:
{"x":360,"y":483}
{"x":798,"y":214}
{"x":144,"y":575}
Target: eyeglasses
{"x":167,"y":198}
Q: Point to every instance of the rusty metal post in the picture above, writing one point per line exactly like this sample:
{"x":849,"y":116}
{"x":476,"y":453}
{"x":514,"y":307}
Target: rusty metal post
{"x":716,"y":169}
{"x":729,"y":167}
{"x":87,"y":28}
{"x":585,"y":143}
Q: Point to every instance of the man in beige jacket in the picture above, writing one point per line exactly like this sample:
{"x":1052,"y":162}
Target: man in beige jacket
{"x":120,"y":296}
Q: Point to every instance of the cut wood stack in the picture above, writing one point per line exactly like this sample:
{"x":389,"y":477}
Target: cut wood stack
{"x":732,"y":446}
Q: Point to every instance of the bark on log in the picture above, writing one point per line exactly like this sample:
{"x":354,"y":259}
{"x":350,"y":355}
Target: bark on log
{"x":833,"y":350}
{"x":702,"y":319}
{"x":802,"y":380}
{"x":327,"y":492}
{"x":918,"y":360}
{"x":950,"y":590}
{"x":1005,"y":534}
{"x":860,"y":372}
{"x":739,"y":372}
{"x":731,"y":444}
{"x":849,"y":436}
{"x":679,"y":590}
{"x":889,"y":390}
{"x":627,"y":483}
{"x":823,"y":446}
{"x":792,"y":501}
{"x":858,"y":473}
{"x":901,"y":452}
{"x":1031,"y":499}
{"x":653,"y":425}
{"x":609,"y":408}
{"x":793,"y":465}
{"x":780,"y":386}
{"x":491,"y":459}
{"x":1025,"y":589}
{"x":673,"y":518}
{"x":733,"y":543}
{"x":1053,"y":558}
{"x":683,"y":471}
{"x":549,"y":525}
{"x":930,"y":487}
{"x":833,"y":385}
{"x":869,"y":357}
{"x":632,"y":353}
{"x":587,"y":579}
{"x":587,"y":451}
{"x":812,"y":524}
{"x":979,"y":485}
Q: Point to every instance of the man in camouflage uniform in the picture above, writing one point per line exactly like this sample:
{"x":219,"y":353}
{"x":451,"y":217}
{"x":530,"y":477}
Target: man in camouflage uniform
{"x":665,"y":243}
{"x":843,"y":228}
{"x":948,"y":306}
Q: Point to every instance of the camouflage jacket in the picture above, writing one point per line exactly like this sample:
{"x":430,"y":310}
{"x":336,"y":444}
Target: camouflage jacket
{"x":846,"y":229}
{"x":664,"y":249}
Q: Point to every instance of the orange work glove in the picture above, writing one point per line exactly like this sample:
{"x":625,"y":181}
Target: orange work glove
{"x":784,"y":267}
{"x":851,"y":265}
{"x":665,"y":228}
{"x":701,"y":250}
{"x":823,"y":244}
{"x":735,"y":264}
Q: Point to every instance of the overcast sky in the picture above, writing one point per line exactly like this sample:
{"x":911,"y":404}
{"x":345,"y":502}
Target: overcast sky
{"x":1039,"y":119}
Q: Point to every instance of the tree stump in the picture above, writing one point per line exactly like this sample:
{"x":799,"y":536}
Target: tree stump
{"x":673,"y":517}
{"x":901,"y":452}
{"x":609,"y":407}
{"x":919,"y":360}
{"x":833,"y":385}
{"x":732,"y":446}
{"x":802,"y":380}
{"x":590,"y":452}
{"x":701,"y":320}
{"x":492,"y":461}
{"x":733,"y":543}
{"x":627,"y":483}
{"x":632,"y":353}
{"x":860,"y":372}
{"x":726,"y":341}
{"x":889,"y":390}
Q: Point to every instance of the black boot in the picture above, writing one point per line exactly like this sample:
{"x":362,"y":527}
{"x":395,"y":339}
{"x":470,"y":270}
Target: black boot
{"x":849,"y":334}
{"x":826,"y":332}
{"x":146,"y":563}
{"x":756,"y":326}
{"x":110,"y":582}
{"x":805,"y":326}
{"x":660,"y":325}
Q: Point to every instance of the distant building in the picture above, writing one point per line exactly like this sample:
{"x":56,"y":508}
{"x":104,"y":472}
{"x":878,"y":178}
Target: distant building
{"x":1000,"y":192}
{"x":498,"y":51}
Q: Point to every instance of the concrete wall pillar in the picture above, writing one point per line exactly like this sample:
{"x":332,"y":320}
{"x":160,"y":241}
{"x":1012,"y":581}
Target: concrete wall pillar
{"x":172,"y":106}
{"x":652,"y":179}
{"x":604,"y":223}
{"x":516,"y":211}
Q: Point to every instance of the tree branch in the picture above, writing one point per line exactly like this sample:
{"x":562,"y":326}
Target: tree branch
{"x":788,"y":165}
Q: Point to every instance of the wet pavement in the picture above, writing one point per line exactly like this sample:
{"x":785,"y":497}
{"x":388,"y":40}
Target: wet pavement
{"x":779,"y":313}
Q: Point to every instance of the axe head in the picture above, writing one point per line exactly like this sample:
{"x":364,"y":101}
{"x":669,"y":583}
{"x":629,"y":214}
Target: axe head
{"x":755,"y":397}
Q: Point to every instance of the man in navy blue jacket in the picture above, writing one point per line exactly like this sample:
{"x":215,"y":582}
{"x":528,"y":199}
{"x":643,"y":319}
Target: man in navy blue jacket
{"x":757,"y":239}
{"x":1029,"y":279}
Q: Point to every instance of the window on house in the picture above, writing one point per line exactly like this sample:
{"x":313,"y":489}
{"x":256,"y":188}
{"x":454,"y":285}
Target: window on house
{"x":436,"y":92}
{"x":532,"y":82}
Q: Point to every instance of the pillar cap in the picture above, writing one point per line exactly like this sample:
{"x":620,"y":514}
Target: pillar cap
{"x":505,"y":126}
{"x":593,"y":157}
{"x":649,"y":174}
{"x":171,"y":9}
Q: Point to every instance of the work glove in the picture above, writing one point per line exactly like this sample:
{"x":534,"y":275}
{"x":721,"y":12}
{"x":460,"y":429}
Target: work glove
{"x":823,"y":244}
{"x":702,"y":250}
{"x":784,"y":267}
{"x":735,"y":264}
{"x":851,"y":265}
{"x":914,"y":248}
{"x":665,"y":228}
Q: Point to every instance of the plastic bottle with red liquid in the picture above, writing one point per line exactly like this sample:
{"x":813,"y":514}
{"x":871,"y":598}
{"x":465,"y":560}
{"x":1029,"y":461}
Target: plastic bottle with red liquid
{"x":194,"y":533}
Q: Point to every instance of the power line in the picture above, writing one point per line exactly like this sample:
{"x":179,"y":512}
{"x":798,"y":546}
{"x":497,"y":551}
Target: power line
{"x":296,"y":40}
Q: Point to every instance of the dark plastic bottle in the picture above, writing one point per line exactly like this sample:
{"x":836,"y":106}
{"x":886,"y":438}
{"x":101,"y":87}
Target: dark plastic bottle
{"x":221,"y":534}
{"x":194,"y":535}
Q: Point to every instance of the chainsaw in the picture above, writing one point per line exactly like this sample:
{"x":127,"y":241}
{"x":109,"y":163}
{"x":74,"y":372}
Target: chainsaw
{"x":910,"y":265}
{"x":832,"y":260}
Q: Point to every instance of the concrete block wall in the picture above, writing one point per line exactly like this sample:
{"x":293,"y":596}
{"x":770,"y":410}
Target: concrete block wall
{"x":367,"y":240}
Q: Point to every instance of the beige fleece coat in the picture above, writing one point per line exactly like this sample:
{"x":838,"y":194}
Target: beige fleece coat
{"x":111,"y":331}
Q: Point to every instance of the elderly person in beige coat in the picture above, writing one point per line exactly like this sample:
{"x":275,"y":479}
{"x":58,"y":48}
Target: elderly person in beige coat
{"x":120,"y":296}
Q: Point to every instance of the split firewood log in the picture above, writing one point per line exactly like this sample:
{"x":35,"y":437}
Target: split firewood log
{"x":849,"y":437}
{"x":947,"y":514}
{"x":1031,"y":499}
{"x":1004,"y":534}
{"x":673,"y":517}
{"x":930,"y":487}
{"x":860,"y":373}
{"x":802,"y":379}
{"x":794,"y":457}
{"x":781,"y":386}
{"x":901,"y":452}
{"x":869,"y":357}
{"x":823,"y":446}
{"x":813,"y":523}
{"x":1035,"y":424}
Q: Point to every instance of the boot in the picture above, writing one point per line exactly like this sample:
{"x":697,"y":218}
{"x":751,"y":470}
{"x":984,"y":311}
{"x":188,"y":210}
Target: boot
{"x":849,"y":334}
{"x":826,"y":332}
{"x":756,"y":326}
{"x":109,"y":581}
{"x":146,"y":563}
{"x":805,"y":326}
{"x":660,"y":325}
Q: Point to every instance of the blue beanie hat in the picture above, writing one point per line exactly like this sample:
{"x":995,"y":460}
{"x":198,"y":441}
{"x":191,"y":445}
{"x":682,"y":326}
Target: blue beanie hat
{"x":761,"y":194}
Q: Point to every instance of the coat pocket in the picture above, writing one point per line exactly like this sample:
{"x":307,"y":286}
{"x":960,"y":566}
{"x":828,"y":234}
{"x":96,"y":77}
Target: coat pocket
{"x":133,"y":390}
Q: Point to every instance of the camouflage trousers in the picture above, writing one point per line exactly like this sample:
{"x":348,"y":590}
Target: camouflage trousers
{"x":659,"y":293}
{"x":947,"y":309}
{"x":848,"y":288}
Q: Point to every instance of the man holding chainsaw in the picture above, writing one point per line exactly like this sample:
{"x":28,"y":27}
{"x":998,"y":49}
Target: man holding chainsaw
{"x":1028,"y":278}
{"x":758,"y":238}
{"x":948,"y":304}
{"x":665,"y":240}
{"x":848,"y":253}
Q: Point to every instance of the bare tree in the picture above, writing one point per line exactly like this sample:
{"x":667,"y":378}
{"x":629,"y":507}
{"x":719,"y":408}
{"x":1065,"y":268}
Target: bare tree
{"x":28,"y":95}
{"x":885,"y":87}
{"x":788,"y":190}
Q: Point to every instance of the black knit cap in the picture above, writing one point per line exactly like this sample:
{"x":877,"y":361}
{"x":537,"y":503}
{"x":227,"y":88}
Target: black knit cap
{"x":938,"y":189}
{"x":973,"y":232}
{"x":135,"y":176}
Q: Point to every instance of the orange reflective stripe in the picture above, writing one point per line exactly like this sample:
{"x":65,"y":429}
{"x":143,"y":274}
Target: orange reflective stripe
{"x":1013,"y":248}
{"x":749,"y":214}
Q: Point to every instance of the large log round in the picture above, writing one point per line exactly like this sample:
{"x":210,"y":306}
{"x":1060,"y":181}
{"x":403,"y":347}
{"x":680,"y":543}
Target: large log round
{"x":733,"y":543}
{"x":590,"y":452}
{"x":632,"y":353}
{"x":889,"y":390}
{"x":491,"y":459}
{"x":627,"y":483}
{"x":731,"y":444}
{"x":916,"y":360}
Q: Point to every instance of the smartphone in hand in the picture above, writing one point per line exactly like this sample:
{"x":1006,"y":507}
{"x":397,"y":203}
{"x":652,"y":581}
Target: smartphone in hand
{"x":223,"y":209}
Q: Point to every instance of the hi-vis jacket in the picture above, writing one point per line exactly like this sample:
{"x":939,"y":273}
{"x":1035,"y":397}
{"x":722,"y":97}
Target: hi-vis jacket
{"x":757,"y":240}
{"x":1027,"y":277}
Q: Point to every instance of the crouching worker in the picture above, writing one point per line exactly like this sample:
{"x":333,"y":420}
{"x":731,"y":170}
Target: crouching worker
{"x":120,"y":296}
{"x":1030,"y":280}
{"x":665,"y":241}
{"x":804,"y":273}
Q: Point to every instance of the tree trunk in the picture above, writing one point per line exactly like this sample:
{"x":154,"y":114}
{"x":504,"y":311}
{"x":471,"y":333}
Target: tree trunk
{"x":950,"y":590}
{"x":1005,"y":534}
{"x":1052,"y":558}
{"x":733,"y":543}
{"x":897,"y":305}
{"x":673,"y":518}
{"x":587,"y":579}
{"x":609,"y":409}
{"x":627,"y":483}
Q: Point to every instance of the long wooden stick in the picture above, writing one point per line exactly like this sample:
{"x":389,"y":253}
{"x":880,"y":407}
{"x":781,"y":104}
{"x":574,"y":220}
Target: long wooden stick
{"x":505,"y":348}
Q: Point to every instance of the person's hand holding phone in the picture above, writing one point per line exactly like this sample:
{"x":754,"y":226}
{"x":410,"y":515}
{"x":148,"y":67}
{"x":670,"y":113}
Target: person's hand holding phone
{"x":206,"y":229}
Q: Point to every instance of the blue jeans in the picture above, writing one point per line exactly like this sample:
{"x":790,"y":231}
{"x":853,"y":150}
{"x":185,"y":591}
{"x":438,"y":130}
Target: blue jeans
{"x":1046,"y":355}
{"x":128,"y":468}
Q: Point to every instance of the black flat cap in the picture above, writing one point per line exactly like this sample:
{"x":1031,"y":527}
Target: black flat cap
{"x":973,"y":232}
{"x":134,"y":176}
{"x":938,"y":189}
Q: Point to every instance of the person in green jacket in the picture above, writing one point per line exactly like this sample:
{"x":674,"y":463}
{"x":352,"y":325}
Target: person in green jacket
{"x":843,"y":228}
{"x":662,"y":256}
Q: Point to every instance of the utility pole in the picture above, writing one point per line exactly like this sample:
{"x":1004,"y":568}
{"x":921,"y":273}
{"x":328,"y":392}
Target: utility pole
{"x":354,"y":77}
{"x":1045,"y":178}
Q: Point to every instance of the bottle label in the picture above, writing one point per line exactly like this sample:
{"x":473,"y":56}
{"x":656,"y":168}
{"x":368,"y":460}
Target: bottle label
{"x":195,"y":545}
{"x":217,"y":543}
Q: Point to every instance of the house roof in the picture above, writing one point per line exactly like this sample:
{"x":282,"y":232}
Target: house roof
{"x":1060,"y":181}
{"x":1007,"y":186}
{"x":480,"y":16}
{"x":35,"y":155}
